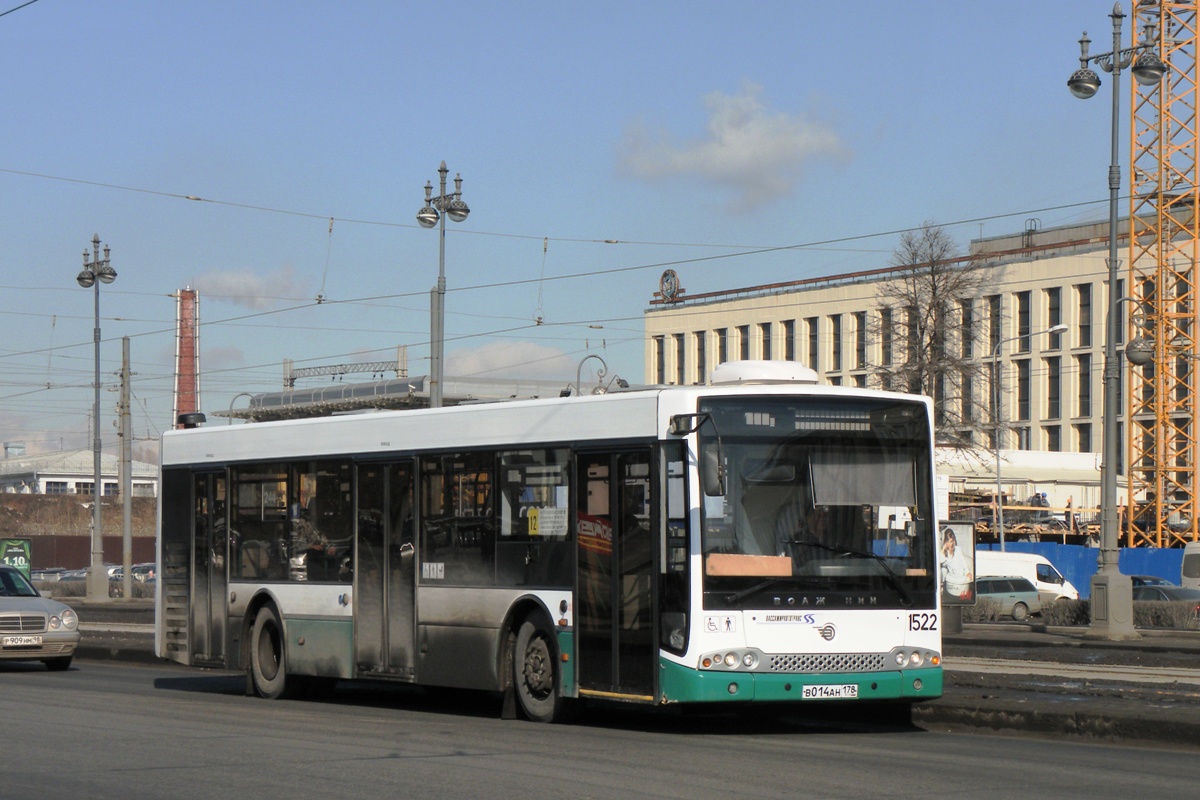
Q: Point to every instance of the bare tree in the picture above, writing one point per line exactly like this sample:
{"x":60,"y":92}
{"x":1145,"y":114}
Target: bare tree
{"x":928,"y":324}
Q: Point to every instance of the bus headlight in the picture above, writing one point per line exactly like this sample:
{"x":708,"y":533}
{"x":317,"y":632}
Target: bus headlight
{"x":913,"y":658}
{"x":742,"y":660}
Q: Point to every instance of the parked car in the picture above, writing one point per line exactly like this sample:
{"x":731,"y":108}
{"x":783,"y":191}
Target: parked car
{"x":32,"y":627}
{"x":140,"y":572}
{"x":1168,"y":594}
{"x":1017,"y":596}
{"x":1150,"y":580}
{"x":112,"y":571}
{"x":47,"y":575}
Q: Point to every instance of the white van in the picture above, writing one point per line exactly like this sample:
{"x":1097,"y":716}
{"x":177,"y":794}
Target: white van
{"x":1190,"y":576}
{"x":1050,"y":583}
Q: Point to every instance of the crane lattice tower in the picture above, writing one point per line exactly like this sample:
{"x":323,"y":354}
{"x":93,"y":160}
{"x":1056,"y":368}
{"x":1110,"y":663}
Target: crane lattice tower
{"x":1162,"y":276}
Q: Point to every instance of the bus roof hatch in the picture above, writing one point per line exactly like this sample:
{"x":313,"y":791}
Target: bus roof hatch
{"x":757,"y":372}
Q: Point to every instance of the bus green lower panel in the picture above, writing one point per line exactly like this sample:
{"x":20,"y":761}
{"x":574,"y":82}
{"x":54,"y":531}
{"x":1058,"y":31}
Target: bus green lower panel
{"x":566,"y":646}
{"x":679,"y":684}
{"x":320,"y":647}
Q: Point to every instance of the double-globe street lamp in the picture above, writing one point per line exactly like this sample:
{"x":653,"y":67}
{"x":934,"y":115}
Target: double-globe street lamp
{"x":998,"y":416}
{"x":452,"y":206}
{"x":1112,"y":593}
{"x":94,"y":273}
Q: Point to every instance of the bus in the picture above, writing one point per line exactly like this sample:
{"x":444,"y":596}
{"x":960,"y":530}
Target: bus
{"x":761,"y":539}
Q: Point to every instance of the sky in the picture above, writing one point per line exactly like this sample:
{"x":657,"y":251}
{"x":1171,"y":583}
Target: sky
{"x":270,"y":153}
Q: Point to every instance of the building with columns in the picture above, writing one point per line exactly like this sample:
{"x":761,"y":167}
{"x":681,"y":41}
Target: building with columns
{"x":1052,"y":385}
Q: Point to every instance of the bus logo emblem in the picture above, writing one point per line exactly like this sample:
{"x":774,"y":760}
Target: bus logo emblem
{"x":827,"y":631}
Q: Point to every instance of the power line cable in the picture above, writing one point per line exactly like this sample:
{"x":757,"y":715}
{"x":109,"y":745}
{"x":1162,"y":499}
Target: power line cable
{"x":470,"y":232}
{"x":17,"y":8}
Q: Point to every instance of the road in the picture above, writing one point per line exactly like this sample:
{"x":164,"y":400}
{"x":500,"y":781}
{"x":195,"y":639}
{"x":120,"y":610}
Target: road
{"x":109,"y":729}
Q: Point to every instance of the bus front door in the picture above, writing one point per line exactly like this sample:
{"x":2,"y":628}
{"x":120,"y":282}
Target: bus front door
{"x":616,"y":649}
{"x":383,"y":573}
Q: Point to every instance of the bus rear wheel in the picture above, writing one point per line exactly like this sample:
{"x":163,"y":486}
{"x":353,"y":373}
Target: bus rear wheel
{"x":268,"y":665}
{"x":535,"y":676}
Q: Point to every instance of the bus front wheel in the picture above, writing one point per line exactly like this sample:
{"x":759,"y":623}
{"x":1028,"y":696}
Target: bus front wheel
{"x":535,"y":677}
{"x":268,"y":667}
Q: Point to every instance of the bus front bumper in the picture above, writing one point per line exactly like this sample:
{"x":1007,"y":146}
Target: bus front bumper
{"x":679,"y":684}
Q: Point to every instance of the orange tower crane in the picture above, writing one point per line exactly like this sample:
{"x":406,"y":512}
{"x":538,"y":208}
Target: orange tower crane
{"x":1164,"y":491}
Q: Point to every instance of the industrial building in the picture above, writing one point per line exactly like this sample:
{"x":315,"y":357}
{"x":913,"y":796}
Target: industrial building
{"x":70,"y":472}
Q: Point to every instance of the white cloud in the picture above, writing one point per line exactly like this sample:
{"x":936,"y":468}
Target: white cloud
{"x":511,"y":359}
{"x":252,"y":289}
{"x":215,"y":359}
{"x":755,"y":153}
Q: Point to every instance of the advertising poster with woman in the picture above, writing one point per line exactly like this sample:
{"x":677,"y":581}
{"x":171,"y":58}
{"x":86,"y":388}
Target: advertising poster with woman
{"x":956,"y":561}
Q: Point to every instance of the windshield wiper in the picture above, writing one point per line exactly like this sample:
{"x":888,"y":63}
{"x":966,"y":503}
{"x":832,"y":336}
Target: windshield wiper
{"x":892,"y":578}
{"x":735,"y":597}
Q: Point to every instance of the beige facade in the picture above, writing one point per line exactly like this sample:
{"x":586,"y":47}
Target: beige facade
{"x":1052,"y":387}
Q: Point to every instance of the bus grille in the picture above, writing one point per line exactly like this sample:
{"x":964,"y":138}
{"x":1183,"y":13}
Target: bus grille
{"x":830,"y":662}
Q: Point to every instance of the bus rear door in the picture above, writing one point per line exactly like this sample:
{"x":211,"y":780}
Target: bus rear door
{"x":384,"y":612}
{"x":192,"y":572}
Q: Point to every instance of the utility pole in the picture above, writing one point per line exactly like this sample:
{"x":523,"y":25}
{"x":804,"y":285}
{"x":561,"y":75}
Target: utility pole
{"x":126,"y":475}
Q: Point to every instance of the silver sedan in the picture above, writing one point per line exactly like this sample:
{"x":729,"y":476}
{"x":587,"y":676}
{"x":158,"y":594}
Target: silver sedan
{"x":32,"y":627}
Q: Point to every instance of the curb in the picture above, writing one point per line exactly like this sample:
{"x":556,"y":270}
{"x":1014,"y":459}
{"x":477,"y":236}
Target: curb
{"x":1016,"y":717}
{"x":129,"y":648}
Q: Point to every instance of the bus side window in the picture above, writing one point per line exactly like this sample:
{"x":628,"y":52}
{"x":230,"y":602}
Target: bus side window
{"x":533,"y":547}
{"x":458,"y":520}
{"x":673,"y":560}
{"x":258,"y":541}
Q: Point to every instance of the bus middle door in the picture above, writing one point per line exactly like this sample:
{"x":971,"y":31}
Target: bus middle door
{"x":617,"y":649}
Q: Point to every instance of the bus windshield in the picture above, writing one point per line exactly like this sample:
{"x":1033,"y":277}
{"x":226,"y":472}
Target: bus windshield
{"x":823,"y":502}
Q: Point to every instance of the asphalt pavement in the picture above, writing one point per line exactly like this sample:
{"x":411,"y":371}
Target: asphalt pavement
{"x":1000,"y":677}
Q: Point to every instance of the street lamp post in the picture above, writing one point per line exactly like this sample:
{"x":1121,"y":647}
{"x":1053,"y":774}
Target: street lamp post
{"x":94,"y":273}
{"x":1112,"y":593}
{"x":998,"y":417}
{"x":452,"y":206}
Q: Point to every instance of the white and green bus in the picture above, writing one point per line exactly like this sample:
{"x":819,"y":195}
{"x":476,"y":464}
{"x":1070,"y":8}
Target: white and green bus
{"x":763,"y":539}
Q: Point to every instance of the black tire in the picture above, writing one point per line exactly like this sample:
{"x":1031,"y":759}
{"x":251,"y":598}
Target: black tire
{"x":59,"y":664}
{"x":268,"y":663}
{"x":1020,"y":612}
{"x":535,"y":673}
